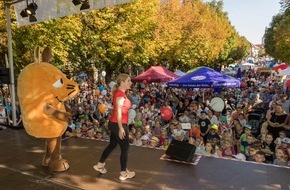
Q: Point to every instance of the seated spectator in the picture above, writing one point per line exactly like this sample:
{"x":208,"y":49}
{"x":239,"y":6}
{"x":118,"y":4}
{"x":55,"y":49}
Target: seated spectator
{"x":224,"y":126}
{"x":243,"y":139}
{"x":252,"y":150}
{"x":262,"y":136}
{"x":213,"y":119}
{"x":154,"y":142}
{"x":157,"y":129}
{"x":137,"y":140}
{"x":281,"y":157}
{"x":198,"y":142}
{"x":193,"y":132}
{"x":145,"y":140}
{"x":166,"y":143}
{"x":210,"y":150}
{"x":213,"y":135}
{"x":228,"y":150}
{"x":242,"y":119}
{"x":185,"y":117}
{"x":178,"y":133}
{"x":269,"y":148}
{"x":278,"y":140}
{"x":259,"y":157}
{"x":99,"y":135}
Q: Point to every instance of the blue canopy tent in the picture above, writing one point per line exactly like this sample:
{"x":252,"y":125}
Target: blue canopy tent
{"x":205,"y":77}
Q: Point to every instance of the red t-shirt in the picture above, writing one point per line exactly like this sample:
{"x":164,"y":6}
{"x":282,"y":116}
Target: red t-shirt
{"x":125,"y":108}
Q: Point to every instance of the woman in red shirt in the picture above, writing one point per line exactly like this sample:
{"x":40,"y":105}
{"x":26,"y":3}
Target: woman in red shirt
{"x":118,"y":126}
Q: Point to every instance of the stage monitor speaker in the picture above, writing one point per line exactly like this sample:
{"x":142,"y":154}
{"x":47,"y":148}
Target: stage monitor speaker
{"x":181,"y":150}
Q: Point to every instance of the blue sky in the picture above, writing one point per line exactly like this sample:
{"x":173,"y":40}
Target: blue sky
{"x":250,"y":17}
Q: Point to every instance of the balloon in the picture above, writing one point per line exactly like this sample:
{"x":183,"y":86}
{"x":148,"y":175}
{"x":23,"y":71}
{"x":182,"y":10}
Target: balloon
{"x":104,"y":73}
{"x":166,"y":113}
{"x":144,"y":81}
{"x":243,"y":85}
{"x":102,"y":108}
{"x":101,"y":88}
{"x":97,"y":92}
{"x":104,"y":92}
{"x":112,"y":84}
{"x":288,"y":83}
{"x":131,"y":116}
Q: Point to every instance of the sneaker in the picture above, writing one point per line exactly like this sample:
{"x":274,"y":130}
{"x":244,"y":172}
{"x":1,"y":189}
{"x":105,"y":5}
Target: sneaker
{"x":126,"y":175}
{"x":100,"y":167}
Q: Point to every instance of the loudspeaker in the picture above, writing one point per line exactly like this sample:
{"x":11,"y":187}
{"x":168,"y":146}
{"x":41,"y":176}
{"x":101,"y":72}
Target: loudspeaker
{"x":4,"y":76}
{"x":181,"y":150}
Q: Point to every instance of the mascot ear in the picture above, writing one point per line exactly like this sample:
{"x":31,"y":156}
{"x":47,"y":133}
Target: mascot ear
{"x":37,"y":55}
{"x":46,"y":55}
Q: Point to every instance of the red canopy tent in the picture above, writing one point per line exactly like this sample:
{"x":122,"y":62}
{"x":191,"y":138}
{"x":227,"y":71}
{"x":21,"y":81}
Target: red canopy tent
{"x":155,"y":74}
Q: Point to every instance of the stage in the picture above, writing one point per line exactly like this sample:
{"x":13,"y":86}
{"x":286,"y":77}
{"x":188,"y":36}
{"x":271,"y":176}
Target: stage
{"x":21,"y":155}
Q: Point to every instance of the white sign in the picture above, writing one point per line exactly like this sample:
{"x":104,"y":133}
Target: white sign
{"x":201,"y":77}
{"x":50,"y":9}
{"x":186,"y":126}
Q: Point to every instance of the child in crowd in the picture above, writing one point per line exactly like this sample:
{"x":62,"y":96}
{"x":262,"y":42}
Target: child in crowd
{"x":198,"y":142}
{"x":163,"y":137}
{"x":228,"y":150}
{"x":213,"y":135}
{"x":170,"y":130}
{"x":243,"y":138}
{"x":259,"y":157}
{"x":224,"y":126}
{"x":154,"y":142}
{"x":137,"y":140}
{"x":145,"y":140}
{"x":210,"y":150}
{"x":269,"y":148}
{"x":278,"y":140}
{"x":99,"y":135}
{"x":166,"y":143}
{"x":281,"y":157}
{"x":147,"y":131}
{"x":262,"y":135}
{"x":179,"y":133}
{"x":252,"y":150}
{"x":242,"y":119}
{"x":226,"y":136}
{"x":157,"y":129}
{"x":193,"y":132}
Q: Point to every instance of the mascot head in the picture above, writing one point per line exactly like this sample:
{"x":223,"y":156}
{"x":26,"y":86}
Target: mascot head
{"x":39,"y":84}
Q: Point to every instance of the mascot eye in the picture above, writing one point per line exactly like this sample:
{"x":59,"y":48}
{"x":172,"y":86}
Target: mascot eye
{"x":58,"y":83}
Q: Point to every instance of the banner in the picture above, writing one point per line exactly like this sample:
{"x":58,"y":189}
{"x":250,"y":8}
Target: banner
{"x":50,"y":9}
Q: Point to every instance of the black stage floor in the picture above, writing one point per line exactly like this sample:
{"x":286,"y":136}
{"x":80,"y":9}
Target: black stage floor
{"x":20,"y":168}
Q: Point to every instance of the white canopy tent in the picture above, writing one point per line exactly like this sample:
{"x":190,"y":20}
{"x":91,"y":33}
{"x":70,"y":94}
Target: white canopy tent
{"x":284,"y":72}
{"x":179,"y":72}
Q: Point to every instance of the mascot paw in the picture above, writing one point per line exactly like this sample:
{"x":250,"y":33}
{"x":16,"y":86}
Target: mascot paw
{"x":45,"y":162}
{"x":58,"y":165}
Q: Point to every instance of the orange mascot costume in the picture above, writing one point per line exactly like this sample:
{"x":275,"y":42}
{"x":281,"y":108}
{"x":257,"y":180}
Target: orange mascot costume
{"x":42,"y":92}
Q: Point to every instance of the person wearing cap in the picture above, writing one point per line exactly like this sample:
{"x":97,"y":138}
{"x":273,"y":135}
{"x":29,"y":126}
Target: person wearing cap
{"x":154,"y":142}
{"x":213,"y":135}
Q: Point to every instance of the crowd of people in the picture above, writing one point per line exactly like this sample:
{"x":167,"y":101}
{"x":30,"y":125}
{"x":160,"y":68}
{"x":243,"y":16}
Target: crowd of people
{"x":253,"y":126}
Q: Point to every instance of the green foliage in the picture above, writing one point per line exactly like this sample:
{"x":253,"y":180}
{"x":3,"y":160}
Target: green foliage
{"x":139,"y":34}
{"x":277,"y":37}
